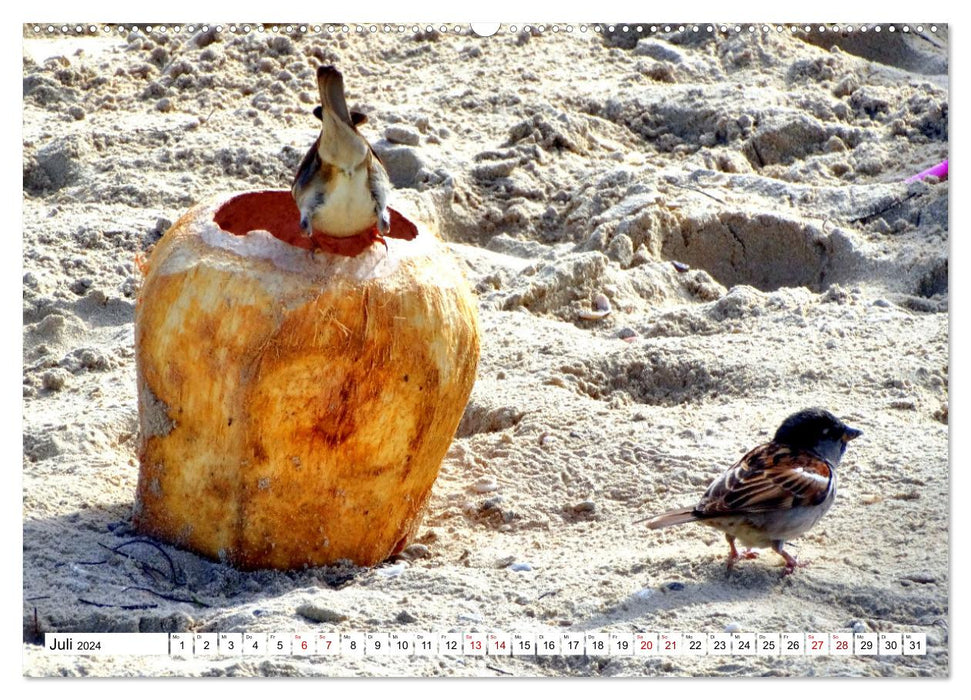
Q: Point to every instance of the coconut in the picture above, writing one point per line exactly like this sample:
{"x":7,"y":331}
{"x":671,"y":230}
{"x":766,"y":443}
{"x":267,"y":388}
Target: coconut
{"x":295,"y":406}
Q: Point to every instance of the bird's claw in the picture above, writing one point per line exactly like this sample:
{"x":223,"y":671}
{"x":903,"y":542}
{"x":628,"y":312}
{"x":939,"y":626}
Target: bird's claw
{"x":384,"y":223}
{"x":377,"y":237}
{"x":792,"y":564}
{"x":307,"y":226}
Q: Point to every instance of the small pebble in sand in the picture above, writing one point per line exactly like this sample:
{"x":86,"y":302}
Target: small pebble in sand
{"x":494,"y":503}
{"x":402,"y":163}
{"x":54,"y":380}
{"x":643,"y":594}
{"x":485,"y":484}
{"x":920,"y":577}
{"x":416,"y":551}
{"x":93,"y":359}
{"x":318,"y":613}
{"x":621,"y":249}
{"x":393,"y":571}
{"x":674,"y":586}
{"x":601,"y":309}
{"x":405,"y":617}
{"x":834,"y":145}
{"x":585,"y":507}
{"x":81,"y":286}
{"x":161,"y":226}
{"x":881,"y":226}
{"x":680,"y":266}
{"x":520,"y":566}
{"x":857,"y":627}
{"x":733,"y":627}
{"x":399,"y":133}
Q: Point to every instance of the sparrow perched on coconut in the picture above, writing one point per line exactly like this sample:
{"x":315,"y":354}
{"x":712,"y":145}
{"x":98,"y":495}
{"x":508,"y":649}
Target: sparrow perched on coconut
{"x":341,"y":187}
{"x":777,"y":491}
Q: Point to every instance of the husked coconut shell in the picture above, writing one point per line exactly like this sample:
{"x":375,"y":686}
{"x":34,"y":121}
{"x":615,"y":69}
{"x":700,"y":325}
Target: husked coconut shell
{"x":295,"y":407}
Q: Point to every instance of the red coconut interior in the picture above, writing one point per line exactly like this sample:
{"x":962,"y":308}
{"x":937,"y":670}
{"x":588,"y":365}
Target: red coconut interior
{"x":276,"y":212}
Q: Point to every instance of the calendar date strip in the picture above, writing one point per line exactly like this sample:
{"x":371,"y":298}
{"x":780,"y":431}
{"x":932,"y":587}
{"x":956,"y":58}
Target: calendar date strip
{"x":488,"y":644}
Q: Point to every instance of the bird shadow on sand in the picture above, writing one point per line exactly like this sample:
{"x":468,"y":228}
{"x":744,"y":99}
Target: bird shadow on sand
{"x":717,"y":585}
{"x":754,"y":582}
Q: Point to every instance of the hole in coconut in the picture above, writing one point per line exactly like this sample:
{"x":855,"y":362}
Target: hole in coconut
{"x":275,"y":211}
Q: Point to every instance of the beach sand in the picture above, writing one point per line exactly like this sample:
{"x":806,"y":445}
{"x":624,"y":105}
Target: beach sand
{"x":735,"y":200}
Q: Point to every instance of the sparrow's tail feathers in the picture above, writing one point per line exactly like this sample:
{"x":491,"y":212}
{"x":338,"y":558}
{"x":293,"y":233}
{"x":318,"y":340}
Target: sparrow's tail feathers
{"x":330,"y":84}
{"x":672,"y":517}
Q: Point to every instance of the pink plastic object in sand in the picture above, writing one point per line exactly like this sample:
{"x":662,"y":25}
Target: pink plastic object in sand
{"x":939,"y":171}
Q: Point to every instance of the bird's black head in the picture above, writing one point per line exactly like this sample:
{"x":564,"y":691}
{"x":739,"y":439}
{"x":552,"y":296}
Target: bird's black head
{"x":818,"y":431}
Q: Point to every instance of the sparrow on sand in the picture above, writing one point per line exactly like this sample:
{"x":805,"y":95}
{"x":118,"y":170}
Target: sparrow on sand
{"x":341,"y":187}
{"x":777,"y":491}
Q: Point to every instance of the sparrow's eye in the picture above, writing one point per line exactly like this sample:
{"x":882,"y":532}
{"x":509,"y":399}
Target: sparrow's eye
{"x":826,"y":432}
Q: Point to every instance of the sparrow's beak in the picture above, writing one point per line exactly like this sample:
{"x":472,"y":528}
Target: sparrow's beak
{"x":851,"y":433}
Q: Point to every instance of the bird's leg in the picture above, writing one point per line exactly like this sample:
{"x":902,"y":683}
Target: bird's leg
{"x":732,"y":553}
{"x":791,"y":562}
{"x":377,"y":237}
{"x":383,"y":226}
{"x":378,"y":185}
{"x":308,"y":202}
{"x":307,"y":226}
{"x":734,"y":556}
{"x":384,"y":220}
{"x":308,"y":231}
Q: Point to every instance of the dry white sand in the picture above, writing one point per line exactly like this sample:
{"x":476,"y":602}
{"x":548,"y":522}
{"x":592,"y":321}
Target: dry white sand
{"x":562,"y":168}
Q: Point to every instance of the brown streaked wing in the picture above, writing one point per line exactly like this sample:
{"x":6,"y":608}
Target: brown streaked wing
{"x":770,"y":477}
